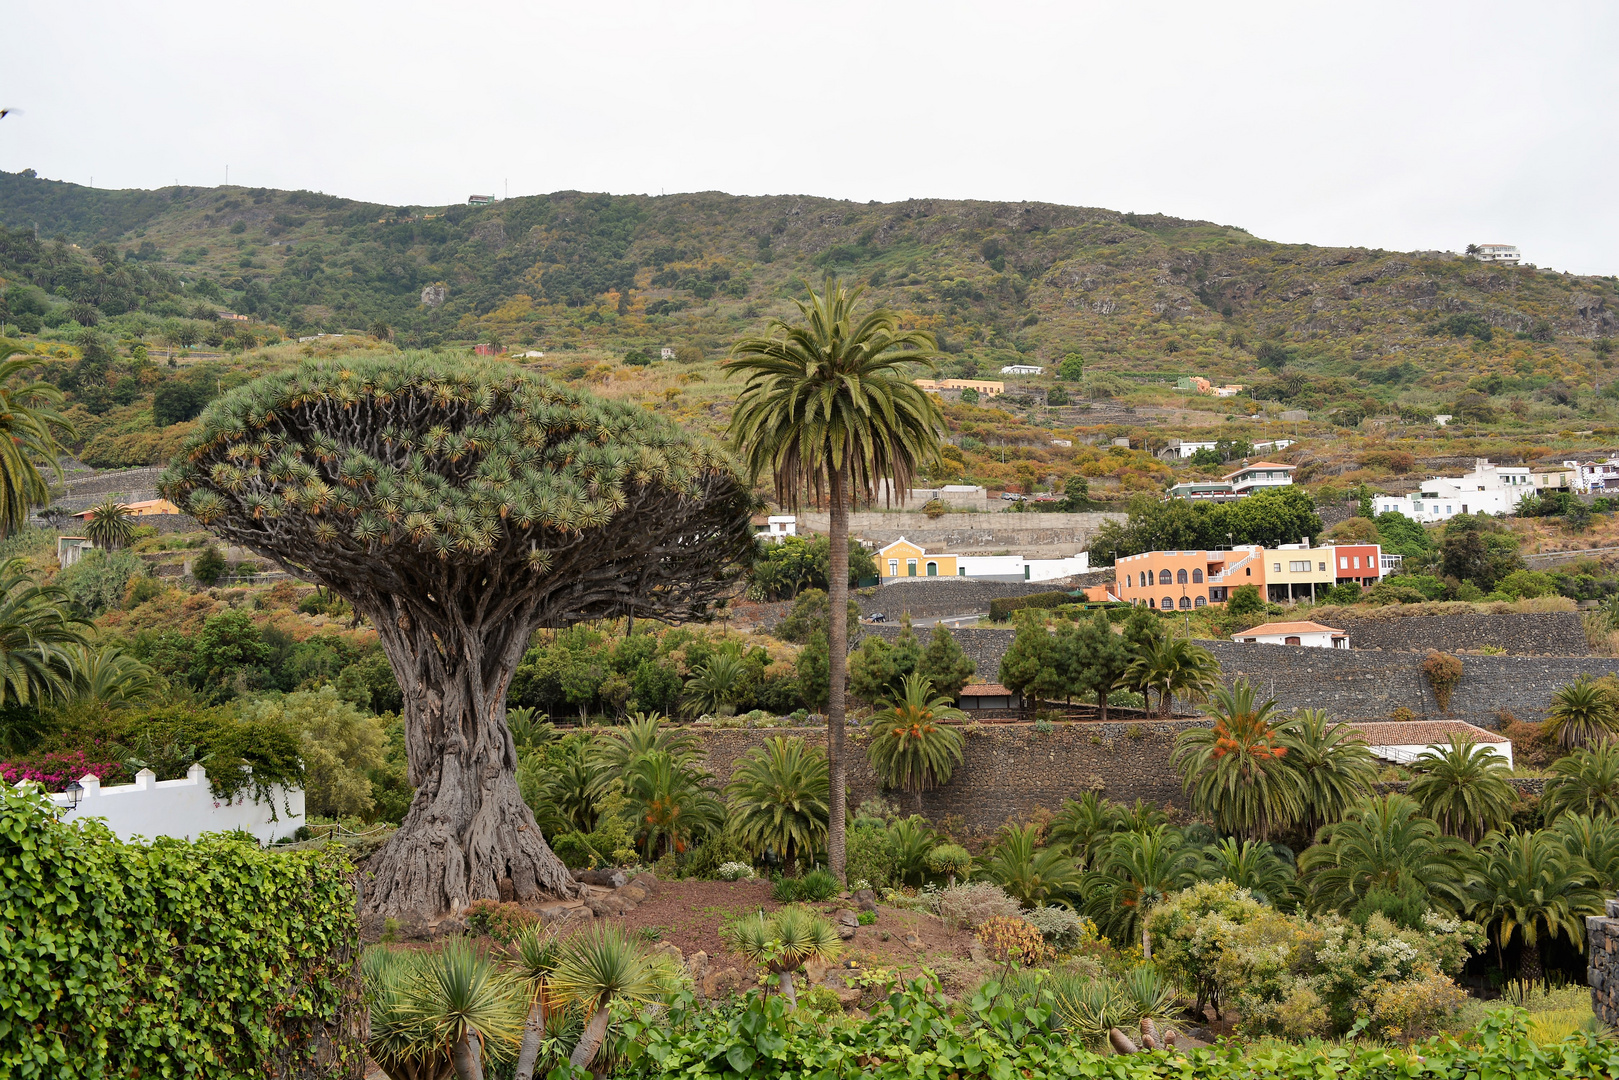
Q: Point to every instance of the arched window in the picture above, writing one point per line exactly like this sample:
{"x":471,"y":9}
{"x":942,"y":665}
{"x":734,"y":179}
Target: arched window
{"x":1186,"y":603}
{"x":1129,"y":581}
{"x":1197,"y":577}
{"x":1180,"y":576}
{"x":1164,"y":577}
{"x":1168,"y":602}
{"x":1198,"y":601}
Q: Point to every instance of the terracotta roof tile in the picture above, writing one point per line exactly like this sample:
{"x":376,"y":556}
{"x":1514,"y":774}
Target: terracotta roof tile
{"x":1422,"y":732}
{"x":985,"y":690}
{"x":1289,"y":628}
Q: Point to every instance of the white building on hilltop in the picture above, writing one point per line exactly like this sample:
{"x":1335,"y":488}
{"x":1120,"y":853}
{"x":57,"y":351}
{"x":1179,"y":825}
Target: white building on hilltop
{"x":1497,"y":253}
{"x":1488,"y":489}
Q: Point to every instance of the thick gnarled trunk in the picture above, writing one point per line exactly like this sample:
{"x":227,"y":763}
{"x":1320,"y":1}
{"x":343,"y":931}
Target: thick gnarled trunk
{"x":837,"y":638}
{"x":468,"y":834}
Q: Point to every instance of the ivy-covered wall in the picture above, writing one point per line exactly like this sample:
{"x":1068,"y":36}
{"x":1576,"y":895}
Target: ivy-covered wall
{"x":212,"y":959}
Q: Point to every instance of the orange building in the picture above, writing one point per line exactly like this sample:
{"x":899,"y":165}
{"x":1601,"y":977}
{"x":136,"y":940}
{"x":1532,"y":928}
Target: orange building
{"x":1183,"y":580}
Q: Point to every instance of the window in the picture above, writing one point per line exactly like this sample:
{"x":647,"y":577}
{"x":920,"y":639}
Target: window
{"x":893,"y":568}
{"x":961,"y":571}
{"x":1321,"y":566}
{"x":1290,"y":641}
{"x":1198,"y":601}
{"x":1276,"y":568}
{"x":1180,"y":576}
{"x":933,"y":569}
{"x":1357,"y":562}
{"x":910,"y":567}
{"x":1297,"y":566}
{"x":1164,"y":577}
{"x":1129,"y":581}
{"x":1186,"y":603}
{"x":1167,"y":603}
{"x":1343,"y":562}
{"x":1197,"y":577}
{"x":1248,"y":572}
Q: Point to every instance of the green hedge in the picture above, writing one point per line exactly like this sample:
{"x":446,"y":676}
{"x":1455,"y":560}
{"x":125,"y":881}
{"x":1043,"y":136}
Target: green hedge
{"x":1000,"y":610}
{"x":209,"y":959}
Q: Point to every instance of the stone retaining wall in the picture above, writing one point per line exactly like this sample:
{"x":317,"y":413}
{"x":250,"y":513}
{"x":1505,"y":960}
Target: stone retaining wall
{"x":1602,"y":963}
{"x":929,"y":597}
{"x":1557,"y":633}
{"x":1026,"y":534}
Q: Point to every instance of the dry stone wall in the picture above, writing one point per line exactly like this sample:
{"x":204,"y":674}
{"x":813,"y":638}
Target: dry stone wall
{"x":1602,"y":963}
{"x":1557,"y":633}
{"x":1025,"y":534}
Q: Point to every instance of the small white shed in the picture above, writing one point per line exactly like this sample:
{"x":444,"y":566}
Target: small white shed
{"x":1308,"y":634}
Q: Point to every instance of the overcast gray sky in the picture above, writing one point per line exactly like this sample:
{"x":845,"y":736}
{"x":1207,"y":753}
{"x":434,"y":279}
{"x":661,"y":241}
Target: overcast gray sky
{"x":1397,"y":125}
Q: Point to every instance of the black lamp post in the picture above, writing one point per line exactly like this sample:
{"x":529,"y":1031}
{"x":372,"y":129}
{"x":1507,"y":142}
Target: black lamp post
{"x":74,"y":793}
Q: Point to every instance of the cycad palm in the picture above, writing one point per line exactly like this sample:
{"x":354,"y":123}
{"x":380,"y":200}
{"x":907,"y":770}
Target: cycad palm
{"x":910,"y":748}
{"x":1595,"y":842}
{"x":612,"y":754}
{"x":783,"y":942}
{"x":671,"y":802}
{"x":778,"y":797}
{"x":1137,"y":872}
{"x":1582,"y":713}
{"x":1332,"y":763}
{"x":1383,"y":842}
{"x":1527,"y":883}
{"x":1174,"y":668}
{"x":1585,"y":782}
{"x":1235,"y":771}
{"x":1085,"y":826}
{"x":716,"y":685}
{"x":111,"y":525}
{"x":1030,"y":874}
{"x":1463,"y":789}
{"x":830,"y":409}
{"x":1251,"y":865}
{"x":39,"y":641}
{"x":29,"y":428}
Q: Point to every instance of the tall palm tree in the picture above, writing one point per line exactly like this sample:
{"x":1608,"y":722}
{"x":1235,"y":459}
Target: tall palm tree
{"x":107,"y":674}
{"x":599,"y":966}
{"x":1585,"y":782}
{"x":1139,"y":870}
{"x":1582,"y":713}
{"x":910,"y":748}
{"x":1332,"y":762}
{"x":778,"y":797}
{"x":1527,"y":883}
{"x":1251,"y":865}
{"x":783,"y":942}
{"x":830,"y":409}
{"x":1595,"y":842}
{"x":671,"y":802}
{"x":111,"y":524}
{"x":39,"y":640}
{"x":1463,"y":789}
{"x":1235,"y":771}
{"x":29,"y":429}
{"x":1030,"y":874}
{"x":1174,"y":668}
{"x":1383,"y":842}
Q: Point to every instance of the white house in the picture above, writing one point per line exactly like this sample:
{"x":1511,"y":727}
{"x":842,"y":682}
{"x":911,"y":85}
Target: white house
{"x":1441,"y":419}
{"x":666,"y":353}
{"x":1018,"y":568}
{"x":1308,"y":634}
{"x":1273,"y":444}
{"x":1259,"y":475}
{"x":1023,"y":369}
{"x":1589,"y":476}
{"x":1180,"y":448}
{"x":1403,"y":742}
{"x":1488,"y":489}
{"x":1498,"y":253}
{"x":183,"y":808}
{"x":777,"y":528}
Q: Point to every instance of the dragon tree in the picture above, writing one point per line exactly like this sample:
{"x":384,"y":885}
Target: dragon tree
{"x":459,"y":505}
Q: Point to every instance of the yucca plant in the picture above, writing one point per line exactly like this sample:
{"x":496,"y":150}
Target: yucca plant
{"x":783,"y":941}
{"x":458,"y":505}
{"x":910,"y":747}
{"x":601,"y":966}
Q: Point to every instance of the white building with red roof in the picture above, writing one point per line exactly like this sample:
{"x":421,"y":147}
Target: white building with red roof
{"x":1308,"y":634}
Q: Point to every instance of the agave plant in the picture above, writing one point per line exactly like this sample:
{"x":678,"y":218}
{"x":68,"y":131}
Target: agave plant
{"x":598,"y":967}
{"x":1093,"y":1008}
{"x":783,"y":942}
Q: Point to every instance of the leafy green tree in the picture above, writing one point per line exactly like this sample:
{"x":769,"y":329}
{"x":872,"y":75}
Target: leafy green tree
{"x":1584,"y":782}
{"x":1479,"y":549}
{"x":208,"y":565}
{"x":814,"y":669}
{"x":1235,"y":771}
{"x":1138,"y":871}
{"x":808,"y":617}
{"x":340,"y":746}
{"x":945,"y":664}
{"x":458,"y":505}
{"x":778,"y":798}
{"x":1384,"y":842}
{"x":910,"y":747}
{"x":1028,"y":665}
{"x":229,"y":655}
{"x":879,"y":668}
{"x":30,"y":428}
{"x":830,"y":408}
{"x":1076,"y":495}
{"x":1526,"y":884}
{"x":1463,"y":789}
{"x":1245,"y":600}
{"x":1583,"y":713}
{"x":793,"y":564}
{"x":111,"y":525}
{"x":1030,"y":874}
{"x":1071,"y":368}
{"x":1332,"y":763}
{"x":1091,"y":659}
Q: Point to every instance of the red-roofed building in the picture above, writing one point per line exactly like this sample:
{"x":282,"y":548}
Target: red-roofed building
{"x":1309,"y":634}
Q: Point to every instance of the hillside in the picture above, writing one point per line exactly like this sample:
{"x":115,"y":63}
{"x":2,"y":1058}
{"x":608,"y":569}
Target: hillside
{"x":1367,"y":341}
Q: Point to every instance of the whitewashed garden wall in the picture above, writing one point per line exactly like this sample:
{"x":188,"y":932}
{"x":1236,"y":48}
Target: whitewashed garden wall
{"x":186,"y":808}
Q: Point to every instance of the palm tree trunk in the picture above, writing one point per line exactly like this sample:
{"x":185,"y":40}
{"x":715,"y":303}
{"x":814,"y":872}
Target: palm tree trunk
{"x":533,"y":1031}
{"x":837,"y":639}
{"x":1529,"y":969}
{"x":467,"y":1056}
{"x":590,"y":1039}
{"x":785,"y":981}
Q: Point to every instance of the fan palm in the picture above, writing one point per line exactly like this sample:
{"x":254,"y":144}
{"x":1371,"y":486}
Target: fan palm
{"x":1332,"y":763}
{"x":782,"y":942}
{"x":38,"y":638}
{"x":1086,"y":825}
{"x":1235,"y":771}
{"x":1138,"y":870}
{"x":716,"y":686}
{"x":1383,"y":842}
{"x":111,"y":525}
{"x":1251,"y":865}
{"x":1582,"y":713}
{"x":1585,"y":782}
{"x":910,"y":748}
{"x":1463,"y":788}
{"x":1527,"y":884}
{"x":1595,"y":842}
{"x":1030,"y":874}
{"x":29,"y":430}
{"x":778,"y":797}
{"x":1172,"y":668}
{"x":830,"y":408}
{"x":598,"y":967}
{"x":671,"y":802}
